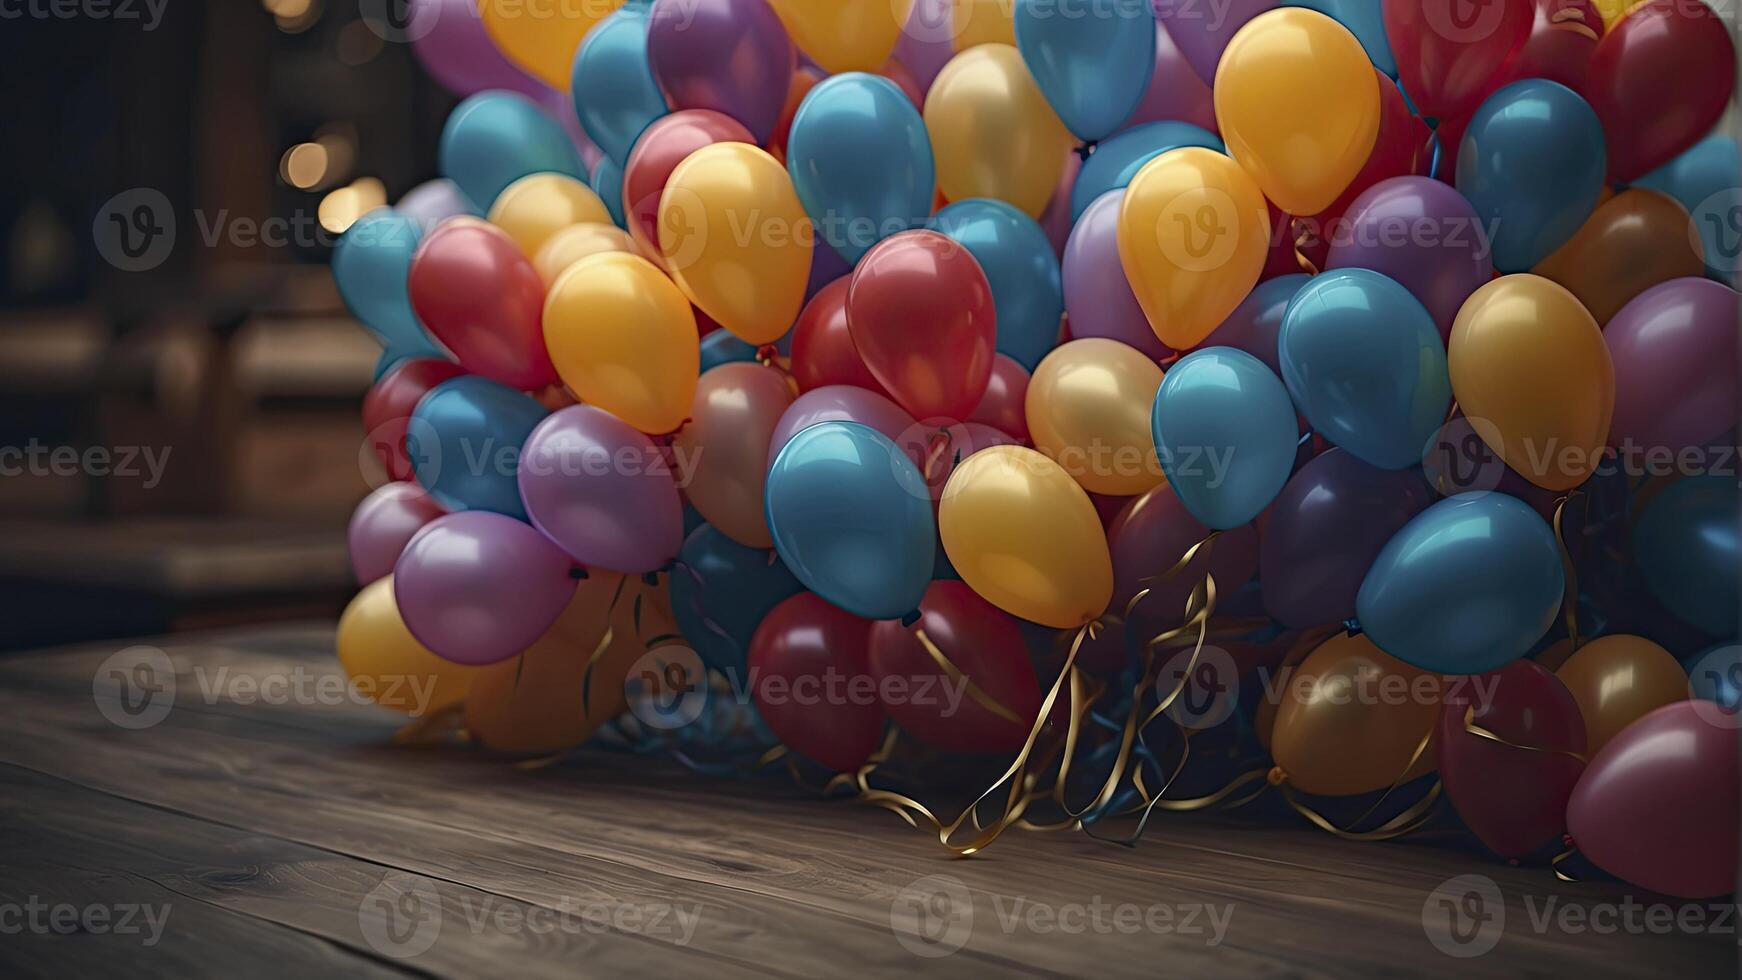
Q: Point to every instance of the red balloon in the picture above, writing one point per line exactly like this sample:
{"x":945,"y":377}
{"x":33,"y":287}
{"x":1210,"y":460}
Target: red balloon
{"x":1513,"y":799}
{"x":1658,"y":805}
{"x":811,"y":677}
{"x":921,"y":315}
{"x":1002,"y":407}
{"x":1562,"y":40}
{"x":902,"y":76}
{"x":985,"y":645}
{"x":1400,"y":150}
{"x":388,"y":405}
{"x":658,"y":150}
{"x":1660,"y":81}
{"x":822,"y":348}
{"x":477,"y":293}
{"x":939,"y":451}
{"x":1447,"y":52}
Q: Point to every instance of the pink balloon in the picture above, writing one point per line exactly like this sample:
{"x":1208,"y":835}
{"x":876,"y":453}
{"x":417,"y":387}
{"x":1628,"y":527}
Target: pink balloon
{"x":1175,"y":90}
{"x":843,"y":403}
{"x":449,"y":40}
{"x":1098,"y":297}
{"x":1675,"y":353}
{"x":384,"y":523}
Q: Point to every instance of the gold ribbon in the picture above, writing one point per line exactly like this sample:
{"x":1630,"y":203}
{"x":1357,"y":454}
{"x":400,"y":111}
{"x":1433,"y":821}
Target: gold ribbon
{"x":433,"y":728}
{"x":956,"y":676}
{"x":1472,"y":728}
{"x":1302,"y":236}
{"x":1410,"y":820}
{"x":1570,"y":600}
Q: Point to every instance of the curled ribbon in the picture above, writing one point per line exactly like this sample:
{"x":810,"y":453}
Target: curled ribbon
{"x":1570,"y":599}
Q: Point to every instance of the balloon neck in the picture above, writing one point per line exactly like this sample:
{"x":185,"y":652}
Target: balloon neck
{"x":1352,"y":627}
{"x":1087,"y":150}
{"x":651,"y":579}
{"x":578,"y":573}
{"x":910,"y":618}
{"x":1276,"y":776}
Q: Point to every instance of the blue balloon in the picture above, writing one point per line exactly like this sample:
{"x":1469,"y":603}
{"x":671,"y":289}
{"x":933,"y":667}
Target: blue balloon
{"x":851,"y":516}
{"x":723,"y":587}
{"x":1226,"y":435}
{"x":1366,"y":20}
{"x":1686,"y":545}
{"x":371,"y":267}
{"x":1092,"y":59}
{"x":861,"y":161}
{"x":495,"y":138}
{"x":1716,"y":675}
{"x":1707,"y":180}
{"x":607,"y":182}
{"x":1115,"y":162}
{"x":1364,"y":362}
{"x":1468,"y":586}
{"x":1028,"y":291}
{"x":614,"y":91}
{"x":464,"y":444}
{"x":1532,"y":164}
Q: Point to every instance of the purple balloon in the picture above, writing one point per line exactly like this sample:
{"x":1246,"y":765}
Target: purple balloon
{"x":1254,"y":324}
{"x":1202,"y":30}
{"x":1150,"y":537}
{"x":1328,"y":524}
{"x":384,"y":523}
{"x":732,"y":56}
{"x":845,"y":403}
{"x":479,"y":587}
{"x":925,"y":42}
{"x":561,"y":107}
{"x":1098,"y":297}
{"x":602,"y":491}
{"x":1175,"y":90}
{"x":826,"y":266}
{"x":1422,"y":233}
{"x":1675,"y":353}
{"x":433,"y":202}
{"x":448,"y":37}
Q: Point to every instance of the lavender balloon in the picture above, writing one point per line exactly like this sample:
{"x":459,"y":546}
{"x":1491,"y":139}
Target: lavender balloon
{"x":1255,"y":323}
{"x":1203,"y":30}
{"x":845,"y":403}
{"x":433,"y":202}
{"x":479,"y":587}
{"x":1675,"y":351}
{"x":384,"y":523}
{"x":1098,"y":297}
{"x":732,"y":56}
{"x":449,"y":39}
{"x":924,"y":46}
{"x":1422,"y":233}
{"x":602,"y":491}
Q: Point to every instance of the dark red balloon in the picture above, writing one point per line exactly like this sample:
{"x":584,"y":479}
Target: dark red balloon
{"x":1513,"y":799}
{"x":1660,"y":80}
{"x":810,"y":674}
{"x":921,"y":315}
{"x":822,"y":347}
{"x":985,"y":645}
{"x":388,"y":405}
{"x":1562,"y":40}
{"x":1399,"y":151}
{"x":1448,"y":51}
{"x":1004,"y":406}
{"x":477,"y":293}
{"x":658,"y":151}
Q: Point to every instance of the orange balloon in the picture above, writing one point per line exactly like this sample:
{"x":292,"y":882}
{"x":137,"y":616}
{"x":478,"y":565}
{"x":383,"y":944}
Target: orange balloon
{"x":723,"y":450}
{"x":1636,"y":240}
{"x":1618,"y":679}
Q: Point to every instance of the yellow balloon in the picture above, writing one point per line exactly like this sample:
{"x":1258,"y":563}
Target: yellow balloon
{"x":624,"y":338}
{"x":542,"y":38}
{"x":1024,"y":535}
{"x":1088,"y":408}
{"x":537,"y":206}
{"x":1194,"y":233}
{"x":576,"y":242}
{"x":993,"y":133}
{"x":845,"y":35}
{"x":1614,"y":10}
{"x":737,"y":240}
{"x":1297,"y":101}
{"x":385,"y":662}
{"x":1632,"y":242}
{"x":1618,"y":679}
{"x":1531,"y":372}
{"x":977,"y":22}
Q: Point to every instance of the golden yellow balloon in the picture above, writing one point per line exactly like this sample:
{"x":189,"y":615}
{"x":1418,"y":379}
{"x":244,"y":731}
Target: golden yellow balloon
{"x":1634,"y":241}
{"x":1531,"y":372}
{"x":623,"y":338}
{"x":1088,"y":408}
{"x":1618,"y":679}
{"x":737,"y":240}
{"x":845,"y":35}
{"x":385,"y":662}
{"x":726,"y":442}
{"x":1297,"y":101}
{"x":537,"y":206}
{"x":575,"y":243}
{"x":1024,"y":535}
{"x":977,"y":22}
{"x":1194,"y":232}
{"x":992,"y":132}
{"x":542,"y":38}
{"x":1614,"y":10}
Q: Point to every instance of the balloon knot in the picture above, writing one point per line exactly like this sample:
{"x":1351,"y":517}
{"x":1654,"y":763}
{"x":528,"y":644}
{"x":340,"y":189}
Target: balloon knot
{"x":1086,"y":150}
{"x":910,"y":618}
{"x":1276,"y":777}
{"x":1352,"y":627}
{"x":578,"y":573}
{"x":651,"y":579}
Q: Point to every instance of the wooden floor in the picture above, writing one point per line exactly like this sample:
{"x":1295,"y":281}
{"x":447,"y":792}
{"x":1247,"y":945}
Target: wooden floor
{"x":294,"y":838}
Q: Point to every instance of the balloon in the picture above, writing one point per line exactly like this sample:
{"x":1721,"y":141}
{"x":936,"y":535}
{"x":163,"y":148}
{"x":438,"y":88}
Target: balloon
{"x":721,"y":590}
{"x":1707,"y":180}
{"x":614,"y":90}
{"x":1176,"y":92}
{"x":847,"y":35}
{"x":924,"y":45}
{"x":477,"y":293}
{"x":1468,"y":586}
{"x":842,"y":403}
{"x":1366,"y":20}
{"x":1424,"y":235}
{"x":383,"y":524}
{"x":1149,"y":537}
{"x":732,"y":56}
{"x":371,"y":264}
{"x":1686,"y":547}
{"x":992,"y":131}
{"x":1098,"y":297}
{"x":1254,"y":325}
{"x":1364,"y":363}
{"x":737,"y":407}
{"x":1335,"y":735}
{"x":921,"y":313}
{"x":1093,"y":64}
{"x":810,"y":668}
{"x":1203,"y":36}
{"x":1005,"y":405}
{"x":1088,"y":407}
{"x":1401,"y":148}
{"x":1658,"y":806}
{"x":607,"y":183}
{"x":851,"y":517}
{"x":1531,"y":163}
{"x":977,"y":22}
{"x":1563,"y":37}
{"x":450,"y":42}
{"x":387,"y":665}
{"x":495,"y":138}
{"x":822,"y":348}
{"x":1635,"y":240}
{"x":624,"y":338}
{"x":543,"y":41}
{"x":1675,"y":350}
{"x":1024,"y":535}
{"x":736,"y":239}
{"x":1531,"y":372}
{"x":1193,"y":233}
{"x":1660,"y":81}
{"x":464,"y":444}
{"x":602,"y":491}
{"x":860,"y":161}
{"x":537,"y":206}
{"x":662,"y":146}
{"x":576,"y":242}
{"x":1226,"y":435}
{"x":1020,"y":266}
{"x":986,"y":649}
{"x":1514,"y":799}
{"x":826,"y":267}
{"x":388,"y":406}
{"x":433,"y":202}
{"x":1618,"y":679}
{"x":1716,"y":676}
{"x":1116,"y":162}
{"x":1325,"y":530}
{"x":1446,"y":55}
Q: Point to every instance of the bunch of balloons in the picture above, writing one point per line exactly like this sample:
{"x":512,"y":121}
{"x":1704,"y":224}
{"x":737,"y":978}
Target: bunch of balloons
{"x":883,"y":339}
